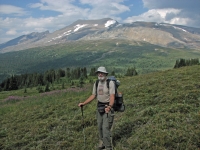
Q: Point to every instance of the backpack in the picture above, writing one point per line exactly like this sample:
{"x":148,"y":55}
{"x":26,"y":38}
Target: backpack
{"x":118,"y":103}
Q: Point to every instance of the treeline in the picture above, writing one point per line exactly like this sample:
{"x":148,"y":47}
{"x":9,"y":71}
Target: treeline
{"x":183,"y":62}
{"x":131,"y":72}
{"x":50,"y":76}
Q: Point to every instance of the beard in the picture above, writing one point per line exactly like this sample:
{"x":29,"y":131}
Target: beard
{"x":101,"y":79}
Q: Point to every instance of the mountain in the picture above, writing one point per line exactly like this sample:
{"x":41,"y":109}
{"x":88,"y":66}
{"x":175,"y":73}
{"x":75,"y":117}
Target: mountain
{"x":162,"y":34}
{"x":23,"y":41}
{"x":73,"y":32}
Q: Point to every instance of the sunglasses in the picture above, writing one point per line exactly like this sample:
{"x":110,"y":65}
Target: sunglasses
{"x":101,"y":73}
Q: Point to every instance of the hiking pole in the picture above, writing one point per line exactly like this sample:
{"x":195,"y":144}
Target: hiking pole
{"x":107,"y":113}
{"x":83,"y":123}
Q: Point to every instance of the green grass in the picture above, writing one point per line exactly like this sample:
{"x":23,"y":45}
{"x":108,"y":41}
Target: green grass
{"x":162,"y":112}
{"x":145,"y":57}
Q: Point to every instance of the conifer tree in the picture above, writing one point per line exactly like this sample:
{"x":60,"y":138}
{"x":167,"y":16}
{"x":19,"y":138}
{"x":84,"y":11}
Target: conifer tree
{"x":13,"y":83}
{"x":81,"y":81}
{"x":6,"y":85}
{"x":40,"y":79}
{"x":182,"y":62}
{"x":47,"y":87}
{"x":72,"y":83}
{"x":131,"y":72}
{"x":78,"y":73}
{"x":63,"y":85}
{"x":68,"y":73}
{"x":25,"y":90}
{"x":85,"y":72}
{"x":60,"y":73}
{"x":39,"y":88}
{"x":113,"y":73}
{"x":92,"y":72}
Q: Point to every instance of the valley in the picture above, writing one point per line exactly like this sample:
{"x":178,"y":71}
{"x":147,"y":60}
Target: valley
{"x":116,"y":55}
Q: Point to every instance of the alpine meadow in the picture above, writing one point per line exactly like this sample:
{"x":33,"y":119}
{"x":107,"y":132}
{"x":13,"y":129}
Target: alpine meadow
{"x":162,"y":112}
{"x":44,"y":76}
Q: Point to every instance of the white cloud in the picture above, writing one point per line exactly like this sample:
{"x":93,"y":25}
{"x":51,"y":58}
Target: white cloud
{"x":183,"y":21}
{"x":38,"y":22}
{"x":35,"y":5}
{"x":153,"y":15}
{"x":182,"y":12}
{"x":102,"y":9}
{"x":62,"y":6}
{"x":9,"y":23}
{"x":11,"y":32}
{"x":9,"y":9}
{"x":192,"y":5}
{"x":89,"y":9}
{"x":164,"y":12}
{"x":100,"y":2}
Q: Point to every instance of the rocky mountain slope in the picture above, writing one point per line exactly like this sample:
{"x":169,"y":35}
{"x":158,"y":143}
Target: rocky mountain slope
{"x":167,"y":35}
{"x":23,"y":42}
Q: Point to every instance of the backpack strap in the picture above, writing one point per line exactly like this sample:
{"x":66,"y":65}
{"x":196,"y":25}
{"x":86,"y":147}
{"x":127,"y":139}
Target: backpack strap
{"x":96,"y":83}
{"x":108,"y":81}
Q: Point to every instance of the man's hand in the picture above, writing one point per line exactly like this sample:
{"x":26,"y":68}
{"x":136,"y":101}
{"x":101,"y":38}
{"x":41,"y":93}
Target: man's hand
{"x":81,"y":104}
{"x":107,"y":109}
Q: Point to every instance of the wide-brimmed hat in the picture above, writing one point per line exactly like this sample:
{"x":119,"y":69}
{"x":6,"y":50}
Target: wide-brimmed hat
{"x":102,"y":69}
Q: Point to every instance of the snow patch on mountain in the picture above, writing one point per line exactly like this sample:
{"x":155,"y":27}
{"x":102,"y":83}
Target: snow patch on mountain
{"x":60,"y":36}
{"x":67,"y":32}
{"x":179,"y":29}
{"x":167,"y":25}
{"x":109,"y":22}
{"x":78,"y":26}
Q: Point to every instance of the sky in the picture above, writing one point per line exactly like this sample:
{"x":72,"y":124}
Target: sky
{"x":20,"y":17}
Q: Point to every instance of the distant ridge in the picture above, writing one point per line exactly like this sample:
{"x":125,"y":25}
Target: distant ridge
{"x":29,"y":38}
{"x":162,"y":34}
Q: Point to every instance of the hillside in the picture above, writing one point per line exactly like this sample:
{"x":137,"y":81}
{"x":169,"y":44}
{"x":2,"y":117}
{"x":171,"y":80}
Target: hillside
{"x":162,"y":112}
{"x":116,"y":55}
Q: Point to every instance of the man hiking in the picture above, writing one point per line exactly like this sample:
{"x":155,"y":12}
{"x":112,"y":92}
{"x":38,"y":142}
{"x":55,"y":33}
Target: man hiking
{"x":105,"y":113}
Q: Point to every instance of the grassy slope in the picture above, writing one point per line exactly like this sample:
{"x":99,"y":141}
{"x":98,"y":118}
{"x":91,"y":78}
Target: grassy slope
{"x":162,"y":112}
{"x":145,"y":57}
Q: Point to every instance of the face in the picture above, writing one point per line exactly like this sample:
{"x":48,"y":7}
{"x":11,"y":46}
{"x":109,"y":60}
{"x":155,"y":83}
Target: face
{"x":101,"y":76}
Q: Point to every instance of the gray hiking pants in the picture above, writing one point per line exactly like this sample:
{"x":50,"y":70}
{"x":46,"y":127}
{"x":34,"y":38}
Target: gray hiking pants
{"x":105,"y":122}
